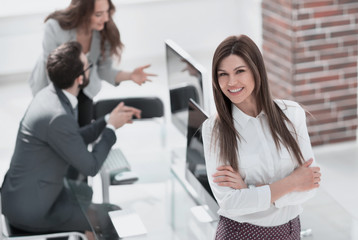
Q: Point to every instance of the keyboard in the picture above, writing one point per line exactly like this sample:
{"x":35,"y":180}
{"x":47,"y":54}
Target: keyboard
{"x":115,"y":163}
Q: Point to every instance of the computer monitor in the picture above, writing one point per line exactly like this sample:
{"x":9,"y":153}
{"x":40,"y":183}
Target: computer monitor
{"x":195,"y":170}
{"x":185,"y":81}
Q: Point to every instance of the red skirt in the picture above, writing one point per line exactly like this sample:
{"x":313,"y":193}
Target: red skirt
{"x":229,"y":229}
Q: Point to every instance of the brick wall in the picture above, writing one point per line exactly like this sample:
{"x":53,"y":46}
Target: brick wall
{"x":310,"y":51}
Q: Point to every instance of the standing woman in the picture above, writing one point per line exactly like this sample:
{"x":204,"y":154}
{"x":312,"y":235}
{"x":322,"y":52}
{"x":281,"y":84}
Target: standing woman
{"x":90,"y":23}
{"x":258,"y":153}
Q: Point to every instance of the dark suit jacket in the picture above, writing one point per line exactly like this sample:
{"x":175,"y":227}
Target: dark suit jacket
{"x":49,"y":140}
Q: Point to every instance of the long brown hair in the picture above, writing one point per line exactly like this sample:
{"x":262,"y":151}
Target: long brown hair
{"x":79,"y":12}
{"x":224,"y":131}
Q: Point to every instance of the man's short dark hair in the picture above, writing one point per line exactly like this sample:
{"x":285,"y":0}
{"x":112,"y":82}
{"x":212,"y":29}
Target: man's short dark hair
{"x":64,"y":64}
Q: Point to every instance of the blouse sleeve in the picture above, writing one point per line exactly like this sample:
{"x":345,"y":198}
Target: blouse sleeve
{"x":299,"y":121}
{"x":51,"y":40}
{"x":105,"y":68}
{"x":232,"y":202}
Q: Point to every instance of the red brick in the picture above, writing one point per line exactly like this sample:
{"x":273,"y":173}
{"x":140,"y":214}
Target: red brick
{"x":334,"y":88}
{"x":346,"y":104}
{"x":314,"y":4}
{"x":332,"y":130}
{"x":324,"y":78}
{"x":344,"y":33}
{"x":304,"y":92}
{"x":305,"y":27}
{"x":342,"y":65}
{"x":350,"y":43}
{"x":324,"y":119}
{"x":269,"y":9}
{"x":320,"y":111}
{"x":353,"y":127}
{"x":277,"y":33}
{"x":354,"y":84}
{"x":346,"y":1}
{"x":323,"y":46}
{"x":343,"y":97}
{"x":299,"y":50}
{"x":334,"y":55}
{"x":352,"y":10}
{"x":327,"y":13}
{"x":311,"y":101}
{"x":350,"y":75}
{"x":342,"y":139}
{"x":311,"y":37}
{"x":301,"y":82}
{"x":350,"y":117}
{"x":308,"y":70}
{"x":316,"y":140}
{"x":278,"y":22}
{"x":335,"y":23}
{"x":303,"y":16}
{"x":304,"y":59}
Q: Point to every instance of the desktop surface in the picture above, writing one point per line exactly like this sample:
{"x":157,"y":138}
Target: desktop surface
{"x":163,"y":204}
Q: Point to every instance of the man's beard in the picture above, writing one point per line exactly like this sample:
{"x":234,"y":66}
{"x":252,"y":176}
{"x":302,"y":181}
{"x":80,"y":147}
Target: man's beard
{"x":85,"y":82}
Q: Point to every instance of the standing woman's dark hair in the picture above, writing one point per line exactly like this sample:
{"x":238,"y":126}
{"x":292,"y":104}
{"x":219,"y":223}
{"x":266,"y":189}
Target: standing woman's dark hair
{"x":78,"y":14}
{"x":224,"y":130}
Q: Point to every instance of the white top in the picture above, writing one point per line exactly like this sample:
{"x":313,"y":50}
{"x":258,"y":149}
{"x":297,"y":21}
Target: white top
{"x":259,"y":163}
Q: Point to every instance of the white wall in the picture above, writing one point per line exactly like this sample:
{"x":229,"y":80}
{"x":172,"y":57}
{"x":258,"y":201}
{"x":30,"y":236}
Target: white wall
{"x":196,"y":25}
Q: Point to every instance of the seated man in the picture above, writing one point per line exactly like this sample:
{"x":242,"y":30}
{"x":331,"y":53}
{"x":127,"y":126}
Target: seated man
{"x":35,"y":196}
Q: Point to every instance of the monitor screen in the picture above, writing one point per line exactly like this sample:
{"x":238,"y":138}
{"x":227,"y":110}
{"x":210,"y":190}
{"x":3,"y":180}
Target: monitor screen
{"x":195,"y":172}
{"x":185,"y":81}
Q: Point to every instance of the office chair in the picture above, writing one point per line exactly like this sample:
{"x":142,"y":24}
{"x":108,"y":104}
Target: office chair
{"x":151,"y":107}
{"x":8,"y":232}
{"x":116,"y":163}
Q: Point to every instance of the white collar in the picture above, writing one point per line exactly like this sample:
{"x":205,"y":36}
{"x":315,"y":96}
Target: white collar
{"x":242,"y":118}
{"x":72,"y":98}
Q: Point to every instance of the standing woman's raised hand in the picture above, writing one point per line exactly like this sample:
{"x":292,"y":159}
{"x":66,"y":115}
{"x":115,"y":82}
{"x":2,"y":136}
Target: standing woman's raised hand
{"x":139,"y":76}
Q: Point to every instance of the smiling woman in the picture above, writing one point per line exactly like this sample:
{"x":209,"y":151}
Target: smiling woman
{"x":257,"y":150}
{"x":237,"y":83}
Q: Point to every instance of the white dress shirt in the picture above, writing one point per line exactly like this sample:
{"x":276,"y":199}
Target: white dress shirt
{"x":259,"y":162}
{"x":74,"y":101}
{"x":72,"y":98}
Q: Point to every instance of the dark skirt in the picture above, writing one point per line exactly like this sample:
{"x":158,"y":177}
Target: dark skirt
{"x":230,"y":229}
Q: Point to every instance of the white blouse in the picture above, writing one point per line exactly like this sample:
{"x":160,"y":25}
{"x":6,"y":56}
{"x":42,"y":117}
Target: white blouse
{"x":259,"y":163}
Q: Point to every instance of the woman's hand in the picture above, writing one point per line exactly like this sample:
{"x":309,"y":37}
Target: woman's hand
{"x":305,"y":177}
{"x":227,"y":177}
{"x":139,"y":76}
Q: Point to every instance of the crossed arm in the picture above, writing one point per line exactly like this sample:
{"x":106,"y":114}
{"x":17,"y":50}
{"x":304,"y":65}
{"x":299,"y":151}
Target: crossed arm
{"x":303,"y":178}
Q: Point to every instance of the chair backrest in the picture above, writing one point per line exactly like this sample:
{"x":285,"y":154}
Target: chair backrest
{"x":151,"y":107}
{"x":179,"y":97}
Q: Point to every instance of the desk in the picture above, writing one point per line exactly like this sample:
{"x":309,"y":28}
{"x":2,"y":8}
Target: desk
{"x":163,"y":204}
{"x":159,"y":199}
